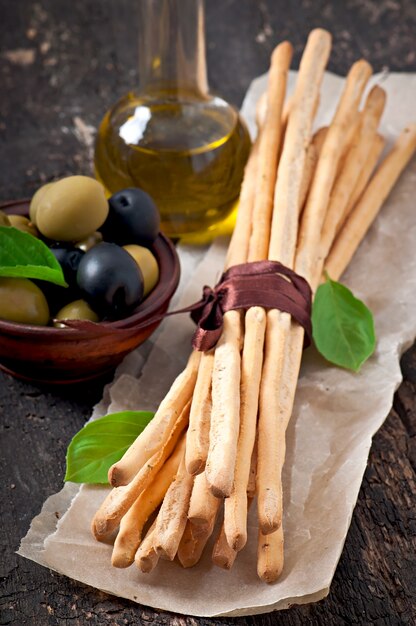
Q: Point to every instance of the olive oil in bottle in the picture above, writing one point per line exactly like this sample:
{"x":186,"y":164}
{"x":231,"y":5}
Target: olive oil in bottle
{"x":185,"y":147}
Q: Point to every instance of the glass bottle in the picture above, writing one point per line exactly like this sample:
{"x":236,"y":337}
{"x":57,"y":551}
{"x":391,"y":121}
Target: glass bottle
{"x":186,"y":147}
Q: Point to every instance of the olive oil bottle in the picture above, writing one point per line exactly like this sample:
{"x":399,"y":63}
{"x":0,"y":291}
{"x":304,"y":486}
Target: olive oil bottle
{"x":186,"y":147}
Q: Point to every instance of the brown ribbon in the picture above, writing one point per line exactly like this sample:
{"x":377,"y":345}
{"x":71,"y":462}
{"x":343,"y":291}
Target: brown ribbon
{"x":267,"y":284}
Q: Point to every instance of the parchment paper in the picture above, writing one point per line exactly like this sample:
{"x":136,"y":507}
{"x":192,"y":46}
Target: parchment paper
{"x":336,"y":414}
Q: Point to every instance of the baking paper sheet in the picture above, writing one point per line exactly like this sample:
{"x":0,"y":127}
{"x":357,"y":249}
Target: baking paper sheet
{"x":335,"y":416}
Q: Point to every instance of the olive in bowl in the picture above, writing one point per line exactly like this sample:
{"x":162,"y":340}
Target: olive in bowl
{"x":110,"y":280}
{"x":46,"y":354}
{"x":133,"y":218}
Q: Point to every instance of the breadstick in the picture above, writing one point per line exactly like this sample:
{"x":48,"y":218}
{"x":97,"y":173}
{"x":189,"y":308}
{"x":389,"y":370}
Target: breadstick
{"x":270,"y":141}
{"x":171,"y":519}
{"x":194,"y":540}
{"x":238,"y":248}
{"x":282,"y":248}
{"x":370,"y":202}
{"x":319,"y":138}
{"x":146,"y":557}
{"x":261,"y":109}
{"x":270,"y":555}
{"x":354,"y":162}
{"x":235,"y":507}
{"x":373,"y":156}
{"x":120,"y":499}
{"x":203,"y":506}
{"x":156,"y":433}
{"x":195,"y":536}
{"x":311,"y":159}
{"x":131,"y":526}
{"x":222,"y":554}
{"x":197,"y":438}
{"x":351,"y":137}
{"x":225,"y":415}
{"x":192,"y":545}
{"x":251,"y":486}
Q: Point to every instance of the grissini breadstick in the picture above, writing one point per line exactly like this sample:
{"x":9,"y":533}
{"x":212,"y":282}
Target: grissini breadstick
{"x":370,"y":202}
{"x":238,"y":248}
{"x":346,"y":181}
{"x":311,"y":159}
{"x":222,"y":554}
{"x":146,"y":557}
{"x":131,"y":526}
{"x":373,"y":156}
{"x":270,"y":555}
{"x":282,"y":248}
{"x":261,"y":109}
{"x":235,"y":507}
{"x":251,"y":485}
{"x":200,"y":417}
{"x":197,"y":438}
{"x":171,"y":519}
{"x":319,"y":138}
{"x":269,"y":144}
{"x":192,"y":545}
{"x":350,"y":139}
{"x":194,"y":540}
{"x":120,"y":499}
{"x":156,"y":433}
{"x":225,"y":416}
{"x":203,"y":506}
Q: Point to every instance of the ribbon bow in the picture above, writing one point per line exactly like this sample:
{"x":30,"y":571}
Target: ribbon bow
{"x":268,"y":284}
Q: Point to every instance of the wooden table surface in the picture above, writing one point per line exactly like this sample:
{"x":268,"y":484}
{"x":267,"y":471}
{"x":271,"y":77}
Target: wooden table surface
{"x":63,"y":62}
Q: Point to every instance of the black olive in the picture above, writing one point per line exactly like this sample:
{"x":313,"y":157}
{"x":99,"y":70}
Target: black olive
{"x":110,"y":281}
{"x":133,"y":218}
{"x":69,"y":259}
{"x":56,"y":296}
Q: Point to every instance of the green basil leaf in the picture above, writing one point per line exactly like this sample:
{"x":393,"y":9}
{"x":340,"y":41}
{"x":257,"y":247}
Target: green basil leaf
{"x":24,"y":256}
{"x":343,"y":327}
{"x":102,"y":442}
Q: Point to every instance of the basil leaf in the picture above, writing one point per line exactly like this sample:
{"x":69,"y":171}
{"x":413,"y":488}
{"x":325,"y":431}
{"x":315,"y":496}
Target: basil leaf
{"x":343,"y":327}
{"x":101,"y":443}
{"x":24,"y":256}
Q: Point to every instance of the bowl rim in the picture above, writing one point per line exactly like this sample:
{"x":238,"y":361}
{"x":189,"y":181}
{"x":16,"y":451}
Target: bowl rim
{"x":154,"y":303}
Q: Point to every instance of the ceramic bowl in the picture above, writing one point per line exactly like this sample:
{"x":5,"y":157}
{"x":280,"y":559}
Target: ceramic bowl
{"x":44,"y":354}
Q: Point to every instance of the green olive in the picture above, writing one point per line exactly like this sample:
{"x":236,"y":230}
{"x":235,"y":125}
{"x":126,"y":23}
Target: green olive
{"x":72,"y":209}
{"x":22,"y":301}
{"x":22,"y":223}
{"x":77,"y":310}
{"x":4,"y":220}
{"x":147,"y":264}
{"x":36,"y":198}
{"x":89,"y":242}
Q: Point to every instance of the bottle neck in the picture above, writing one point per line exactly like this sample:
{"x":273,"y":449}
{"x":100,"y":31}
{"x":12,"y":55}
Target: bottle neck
{"x":172,"y":48}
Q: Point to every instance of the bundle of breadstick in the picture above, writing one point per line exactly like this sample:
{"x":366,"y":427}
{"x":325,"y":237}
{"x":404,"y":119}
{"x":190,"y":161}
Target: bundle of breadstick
{"x":216,"y":444}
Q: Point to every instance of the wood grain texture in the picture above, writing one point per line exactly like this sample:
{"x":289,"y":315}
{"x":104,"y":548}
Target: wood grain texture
{"x":68,"y":60}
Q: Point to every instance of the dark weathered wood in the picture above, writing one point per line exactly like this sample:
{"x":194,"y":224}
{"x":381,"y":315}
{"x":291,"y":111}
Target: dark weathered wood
{"x":68,"y":60}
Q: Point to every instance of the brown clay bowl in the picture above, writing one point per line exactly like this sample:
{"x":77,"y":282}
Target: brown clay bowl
{"x":45,"y":354}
